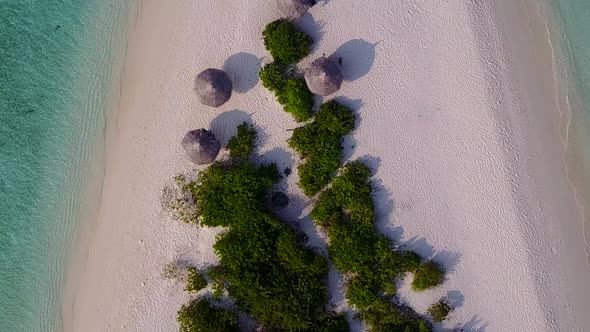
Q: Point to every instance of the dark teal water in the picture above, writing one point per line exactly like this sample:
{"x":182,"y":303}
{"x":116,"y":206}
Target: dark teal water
{"x":58,"y":59}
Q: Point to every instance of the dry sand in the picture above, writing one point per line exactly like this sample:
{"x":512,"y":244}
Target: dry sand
{"x":459,"y":117}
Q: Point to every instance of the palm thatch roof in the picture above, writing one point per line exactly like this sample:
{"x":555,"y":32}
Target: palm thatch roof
{"x":200,"y":146}
{"x":213,"y":86}
{"x":294,"y":8}
{"x":323,"y":77}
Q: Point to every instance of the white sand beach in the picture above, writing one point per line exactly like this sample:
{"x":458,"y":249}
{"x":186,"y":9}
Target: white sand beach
{"x":460,"y":118}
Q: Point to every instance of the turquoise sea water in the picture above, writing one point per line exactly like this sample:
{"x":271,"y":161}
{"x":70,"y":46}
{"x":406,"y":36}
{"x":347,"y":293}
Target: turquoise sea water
{"x":57,"y":62}
{"x":575,"y":23}
{"x":573,"y":18}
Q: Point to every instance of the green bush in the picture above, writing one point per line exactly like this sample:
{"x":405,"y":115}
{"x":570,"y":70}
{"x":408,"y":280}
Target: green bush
{"x":273,"y":77}
{"x":360,"y":294}
{"x":227,"y":195}
{"x":331,"y":324}
{"x":199,"y":315}
{"x":439,"y":311}
{"x":382,"y":315}
{"x":385,"y":316}
{"x":280,"y":283}
{"x":280,"y":291}
{"x":346,"y":211}
{"x":320,"y":143}
{"x":296,"y":99}
{"x":285,"y":42}
{"x":242,"y":145}
{"x":291,"y":92}
{"x":195,"y":281}
{"x":427,"y":275}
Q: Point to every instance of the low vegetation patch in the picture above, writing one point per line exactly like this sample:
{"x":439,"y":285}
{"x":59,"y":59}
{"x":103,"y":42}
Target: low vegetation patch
{"x":346,"y":211}
{"x":174,"y":271}
{"x":242,"y":145}
{"x":263,"y":267}
{"x":336,"y":323}
{"x":291,"y":91}
{"x":286,"y":42}
{"x":195,"y":281}
{"x":439,"y":311}
{"x":320,"y":144}
{"x":428,"y":275}
{"x":200,"y":315}
{"x":179,"y":202}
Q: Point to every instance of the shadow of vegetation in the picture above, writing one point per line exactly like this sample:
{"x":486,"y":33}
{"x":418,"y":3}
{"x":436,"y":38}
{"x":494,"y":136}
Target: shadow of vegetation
{"x":449,"y":259}
{"x":358,"y":57}
{"x":224,"y":126}
{"x":243,"y":68}
{"x":475,"y":324}
{"x":279,"y":156}
{"x":455,"y":298}
{"x":420,"y":246}
{"x":313,"y":28}
{"x":349,"y":142}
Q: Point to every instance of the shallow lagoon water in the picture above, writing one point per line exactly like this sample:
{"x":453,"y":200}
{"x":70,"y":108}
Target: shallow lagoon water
{"x":59,"y":58}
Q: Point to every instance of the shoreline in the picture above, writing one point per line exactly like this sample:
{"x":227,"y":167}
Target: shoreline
{"x":77,"y":257}
{"x":117,"y":271}
{"x":553,"y":125}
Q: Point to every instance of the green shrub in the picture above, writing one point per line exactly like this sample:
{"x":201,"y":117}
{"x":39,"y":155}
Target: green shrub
{"x":346,"y":211}
{"x":228,"y":195}
{"x":280,"y":291}
{"x":427,"y":275}
{"x":331,"y":324}
{"x":195,"y":281}
{"x":382,"y":315}
{"x":423,"y":326}
{"x":199,"y":315}
{"x":262,"y":267}
{"x":385,"y":316}
{"x":285,"y":42}
{"x":320,"y":143}
{"x":335,"y":118}
{"x":360,"y":294}
{"x":439,"y":311}
{"x":417,"y":325}
{"x":297,"y":258}
{"x":291,"y":92}
{"x":242,"y":145}
{"x":273,"y":77}
{"x":296,"y":99}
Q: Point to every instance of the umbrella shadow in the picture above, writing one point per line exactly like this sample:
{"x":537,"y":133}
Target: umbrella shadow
{"x":225,"y":125}
{"x":243,"y":68}
{"x":358,"y":56}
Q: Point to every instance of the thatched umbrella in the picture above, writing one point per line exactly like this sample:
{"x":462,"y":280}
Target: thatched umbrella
{"x":323,"y":77}
{"x":213,"y":87}
{"x":201,"y":146}
{"x":294,"y":8}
